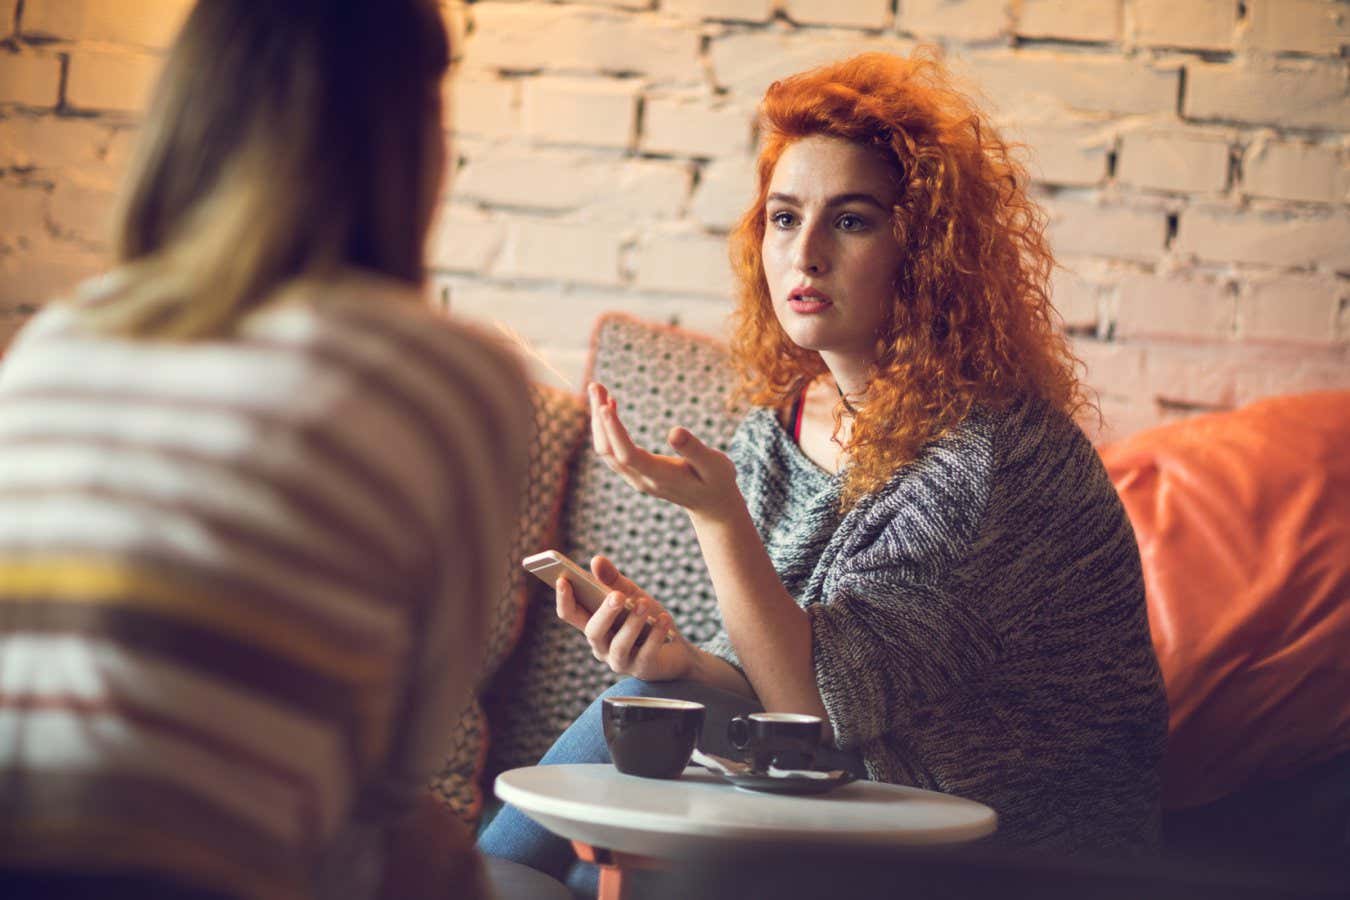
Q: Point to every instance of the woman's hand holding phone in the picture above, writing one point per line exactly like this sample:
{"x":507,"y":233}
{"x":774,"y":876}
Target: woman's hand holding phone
{"x":663,"y":656}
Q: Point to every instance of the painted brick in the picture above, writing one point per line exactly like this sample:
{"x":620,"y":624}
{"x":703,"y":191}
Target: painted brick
{"x":1174,"y":307}
{"x":535,"y":314}
{"x":848,"y":13}
{"x":23,"y":209}
{"x":728,"y":10}
{"x":110,"y":81}
{"x":1073,"y":20}
{"x":117,"y":154}
{"x":31,"y":79}
{"x":558,"y":181}
{"x":44,"y":271}
{"x":478,"y":106}
{"x":573,"y":252}
{"x":1310,"y":94}
{"x":465,"y":240}
{"x":1299,"y":26}
{"x":150,"y":23}
{"x":1112,"y":368}
{"x":710,"y":317}
{"x":1077,"y":299}
{"x":1088,"y":229}
{"x":1286,"y":170}
{"x":1065,"y":153}
{"x":82,"y":208}
{"x":1199,"y":375}
{"x":1291,"y":308}
{"x":1205,"y":24}
{"x":691,"y":126}
{"x":748,"y":62}
{"x":1121,"y":419}
{"x":1189,"y":162}
{"x":589,"y":112}
{"x":1296,"y":373}
{"x":49,"y":142}
{"x":694,"y":264}
{"x":1018,"y":81}
{"x":725,"y":190}
{"x":533,"y":36}
{"x":9,"y":11}
{"x":968,"y":20}
{"x":1265,"y":238}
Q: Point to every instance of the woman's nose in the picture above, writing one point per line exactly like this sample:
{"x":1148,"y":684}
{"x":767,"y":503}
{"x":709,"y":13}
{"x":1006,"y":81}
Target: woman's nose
{"x":811,"y":252}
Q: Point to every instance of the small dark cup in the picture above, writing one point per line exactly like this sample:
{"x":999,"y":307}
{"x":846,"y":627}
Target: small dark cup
{"x":651,"y":736}
{"x":784,"y":740}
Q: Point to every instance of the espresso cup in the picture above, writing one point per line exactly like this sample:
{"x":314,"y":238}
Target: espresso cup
{"x":784,"y":740}
{"x":651,"y":736}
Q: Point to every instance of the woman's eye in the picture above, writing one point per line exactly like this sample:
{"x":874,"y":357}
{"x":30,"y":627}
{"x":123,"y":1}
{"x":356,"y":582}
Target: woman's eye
{"x":783,"y":219}
{"x":851,"y":222}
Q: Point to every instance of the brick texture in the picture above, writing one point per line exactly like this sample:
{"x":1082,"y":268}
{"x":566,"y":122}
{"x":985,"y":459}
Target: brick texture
{"x":558,"y":181}
{"x":748,"y":62}
{"x":1203,"y":24}
{"x":692,"y":126}
{"x":1295,"y":308}
{"x":1289,"y":170}
{"x":112,"y":81}
{"x":483,"y":106}
{"x":1028,"y":80}
{"x":1185,"y":162}
{"x":54,"y":143}
{"x":23,"y":210}
{"x":1081,"y":228}
{"x":589,"y":112}
{"x":1296,"y":94}
{"x":727,"y":10}
{"x":465,"y":240}
{"x":725,"y":189}
{"x":1073,"y":20}
{"x":82,"y":208}
{"x":30,"y":79}
{"x":849,"y":13}
{"x":1265,"y":238}
{"x":1298,"y":26}
{"x":578,"y":252}
{"x":968,"y":20}
{"x":692,"y":264}
{"x":1066,"y":153}
{"x":151,"y":23}
{"x":1174,"y":307}
{"x":1077,"y":299}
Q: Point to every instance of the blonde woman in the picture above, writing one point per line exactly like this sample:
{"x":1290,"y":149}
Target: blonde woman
{"x":253,"y":494}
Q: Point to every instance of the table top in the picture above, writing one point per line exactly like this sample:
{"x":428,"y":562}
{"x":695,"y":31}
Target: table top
{"x":699,"y":812}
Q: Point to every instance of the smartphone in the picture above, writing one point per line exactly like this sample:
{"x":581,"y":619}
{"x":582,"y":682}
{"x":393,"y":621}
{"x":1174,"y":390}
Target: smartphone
{"x":547,"y":566}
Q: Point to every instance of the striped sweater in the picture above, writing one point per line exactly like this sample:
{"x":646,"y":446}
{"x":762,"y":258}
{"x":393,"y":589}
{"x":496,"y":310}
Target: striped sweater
{"x":979,"y":624}
{"x":243,"y":584}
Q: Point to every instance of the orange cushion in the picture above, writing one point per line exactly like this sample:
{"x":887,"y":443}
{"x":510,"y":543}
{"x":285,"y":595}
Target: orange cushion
{"x":1243,"y":523}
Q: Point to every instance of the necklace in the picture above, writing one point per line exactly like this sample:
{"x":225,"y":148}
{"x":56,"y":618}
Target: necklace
{"x":848,"y":406}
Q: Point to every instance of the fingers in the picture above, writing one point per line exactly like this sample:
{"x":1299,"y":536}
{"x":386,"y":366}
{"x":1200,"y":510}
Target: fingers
{"x":568,"y":609}
{"x":598,"y":398}
{"x":602,"y":622}
{"x":622,"y":644}
{"x":603,"y":568}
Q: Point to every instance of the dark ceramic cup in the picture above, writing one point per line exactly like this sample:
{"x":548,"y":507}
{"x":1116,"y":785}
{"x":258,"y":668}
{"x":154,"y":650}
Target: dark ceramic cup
{"x":784,"y":740}
{"x":651,"y":736}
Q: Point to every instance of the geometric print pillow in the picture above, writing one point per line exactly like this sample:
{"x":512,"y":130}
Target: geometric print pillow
{"x":560,"y":423}
{"x":660,"y":376}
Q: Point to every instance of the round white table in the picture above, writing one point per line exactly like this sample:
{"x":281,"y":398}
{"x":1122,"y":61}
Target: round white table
{"x":605,"y":812}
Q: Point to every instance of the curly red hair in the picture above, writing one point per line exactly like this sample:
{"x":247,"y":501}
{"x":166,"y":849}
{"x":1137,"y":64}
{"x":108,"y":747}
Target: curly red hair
{"x":972,"y":324}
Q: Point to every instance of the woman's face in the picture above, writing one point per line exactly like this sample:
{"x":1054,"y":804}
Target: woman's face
{"x":830,"y":254}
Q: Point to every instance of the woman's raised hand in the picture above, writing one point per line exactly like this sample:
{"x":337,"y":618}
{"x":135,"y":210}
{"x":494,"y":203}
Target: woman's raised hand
{"x":700,"y":479}
{"x":614,"y":628}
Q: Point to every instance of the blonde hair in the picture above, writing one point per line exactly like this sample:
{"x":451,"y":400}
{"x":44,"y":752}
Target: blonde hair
{"x":284,"y":140}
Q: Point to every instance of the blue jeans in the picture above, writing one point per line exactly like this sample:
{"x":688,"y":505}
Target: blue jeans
{"x":513,"y":835}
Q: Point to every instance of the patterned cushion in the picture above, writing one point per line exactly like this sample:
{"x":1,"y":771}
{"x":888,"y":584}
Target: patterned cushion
{"x":661,"y":377}
{"x":560,"y":422}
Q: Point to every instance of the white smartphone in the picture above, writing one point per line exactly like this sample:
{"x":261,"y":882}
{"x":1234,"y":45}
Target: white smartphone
{"x":547,"y":566}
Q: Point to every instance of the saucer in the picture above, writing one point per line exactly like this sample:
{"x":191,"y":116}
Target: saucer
{"x":782,"y":782}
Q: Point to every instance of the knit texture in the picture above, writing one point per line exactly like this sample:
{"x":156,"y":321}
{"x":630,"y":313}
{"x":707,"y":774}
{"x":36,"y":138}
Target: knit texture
{"x":979,"y":624}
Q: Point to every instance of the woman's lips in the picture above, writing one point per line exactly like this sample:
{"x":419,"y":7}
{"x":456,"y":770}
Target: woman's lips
{"x":808,"y":305}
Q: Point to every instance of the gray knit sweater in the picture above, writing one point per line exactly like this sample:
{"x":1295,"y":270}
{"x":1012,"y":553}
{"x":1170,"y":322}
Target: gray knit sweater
{"x":979,"y":624}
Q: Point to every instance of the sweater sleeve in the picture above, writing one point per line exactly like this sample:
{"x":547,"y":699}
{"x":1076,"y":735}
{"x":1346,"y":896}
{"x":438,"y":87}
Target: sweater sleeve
{"x":897,"y":633}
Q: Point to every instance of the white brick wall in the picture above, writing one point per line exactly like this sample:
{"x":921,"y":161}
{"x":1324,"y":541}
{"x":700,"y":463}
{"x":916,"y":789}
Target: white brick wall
{"x":1299,"y":26}
{"x":29,"y":78}
{"x":1182,"y":161}
{"x":1293,"y":170}
{"x":1073,"y":20}
{"x":603,"y":148}
{"x":150,"y":23}
{"x":1203,"y":24}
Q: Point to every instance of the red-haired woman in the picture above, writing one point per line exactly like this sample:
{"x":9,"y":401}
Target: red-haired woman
{"x":911,"y":537}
